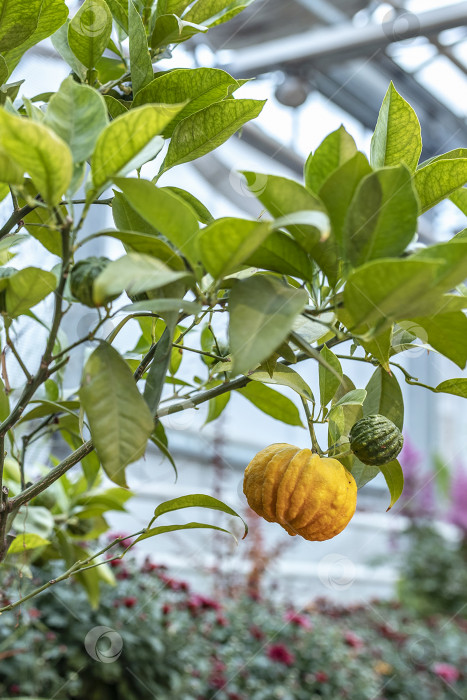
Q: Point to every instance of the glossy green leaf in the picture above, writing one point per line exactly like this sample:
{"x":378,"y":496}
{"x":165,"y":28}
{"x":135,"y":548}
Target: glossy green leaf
{"x":337,"y":148}
{"x":329,"y":381}
{"x":355,"y":397}
{"x":226,"y":243}
{"x":26,"y":288}
{"x":163,"y":306}
{"x":394,"y":476}
{"x":456,"y":387}
{"x":195,"y":500}
{"x":281,"y":253}
{"x":363,"y":473}
{"x":140,"y":60}
{"x":397,"y":138}
{"x":10,"y":171}
{"x":382,"y":218}
{"x":446,"y":333}
{"x":115,"y":107}
{"x":89,"y":31}
{"x":338,"y":191}
{"x":147,"y":244}
{"x":127,"y":219}
{"x":202,"y":132}
{"x":118,"y":416}
{"x":77,"y":113}
{"x":119,"y":10}
{"x":129,"y":141}
{"x":312,"y":331}
{"x":166,"y":212}
{"x":262,"y":312}
{"x":170,"y":29}
{"x":134,"y":273}
{"x":459,"y":198}
{"x":3,"y":70}
{"x":272,"y":403}
{"x":40,"y":152}
{"x":202,"y":213}
{"x":214,"y":12}
{"x":198,"y":87}
{"x":27,"y":541}
{"x":384,"y":396}
{"x":158,"y":370}
{"x":452,"y":258}
{"x":216,"y":406}
{"x":439,"y":179}
{"x":52,"y":16}
{"x":284,"y":376}
{"x":384,"y":291}
{"x":163,"y":529}
{"x":19,"y":20}
{"x":61,"y":45}
{"x":282,"y":197}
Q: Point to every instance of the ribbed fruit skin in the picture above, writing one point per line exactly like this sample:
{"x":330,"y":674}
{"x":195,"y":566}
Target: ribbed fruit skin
{"x":82,"y":277}
{"x":308,"y":495}
{"x":375,"y":440}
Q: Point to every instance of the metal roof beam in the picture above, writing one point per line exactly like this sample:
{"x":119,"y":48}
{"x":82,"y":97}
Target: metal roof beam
{"x":344,"y":40}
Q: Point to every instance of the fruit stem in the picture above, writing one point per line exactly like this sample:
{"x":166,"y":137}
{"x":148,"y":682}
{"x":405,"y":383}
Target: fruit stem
{"x":309,"y":418}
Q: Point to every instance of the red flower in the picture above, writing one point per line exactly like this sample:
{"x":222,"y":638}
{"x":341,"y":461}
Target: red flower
{"x":34,"y":613}
{"x":114,"y":563}
{"x":297,"y":619}
{"x":166,"y":609}
{"x":321,"y":677}
{"x":196,"y":602}
{"x":130,"y":602}
{"x":280,"y":653}
{"x":122,"y":575}
{"x":222,"y":621}
{"x":448,"y":673}
{"x":117,"y":535}
{"x":353,"y":640}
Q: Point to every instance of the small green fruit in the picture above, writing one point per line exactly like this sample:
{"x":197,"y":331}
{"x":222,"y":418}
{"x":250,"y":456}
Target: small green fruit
{"x":82,"y":278}
{"x":375,"y":440}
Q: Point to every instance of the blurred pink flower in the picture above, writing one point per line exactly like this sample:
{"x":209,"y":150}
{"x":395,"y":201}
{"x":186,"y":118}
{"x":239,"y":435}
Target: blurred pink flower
{"x":298,"y":619}
{"x":448,"y":673}
{"x":457,"y":513}
{"x":353,"y":640}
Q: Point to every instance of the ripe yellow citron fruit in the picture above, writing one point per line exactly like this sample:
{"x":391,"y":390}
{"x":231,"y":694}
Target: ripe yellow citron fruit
{"x":308,"y":495}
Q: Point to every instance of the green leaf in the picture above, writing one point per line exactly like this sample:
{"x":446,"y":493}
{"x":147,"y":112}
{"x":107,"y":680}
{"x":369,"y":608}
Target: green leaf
{"x":53,"y":14}
{"x":115,"y":107}
{"x":282,"y":197}
{"x":26,"y":288}
{"x":118,"y":416}
{"x":363,"y":473}
{"x":61,"y":45}
{"x":329,"y":382}
{"x":202,"y":132}
{"x":126,"y":218}
{"x":456,"y":387}
{"x":355,"y":397}
{"x":284,"y":376}
{"x":216,"y":406}
{"x":158,"y":370}
{"x":19,"y":19}
{"x":452,"y":258}
{"x":213,"y":12}
{"x":48,"y":408}
{"x":312,"y":331}
{"x":438,"y":180}
{"x":339,"y":189}
{"x":162,"y":306}
{"x":384,"y":291}
{"x":197,"y":87}
{"x":89,"y":31}
{"x":27,"y":541}
{"x":196,"y":500}
{"x":41,"y":153}
{"x":77,"y":113}
{"x":459,"y":198}
{"x":3,"y":70}
{"x":382,"y":218}
{"x":140,"y":60}
{"x":337,"y":148}
{"x":202,"y":213}
{"x":4,"y":402}
{"x":281,"y":253}
{"x":163,"y":529}
{"x":36,"y":520}
{"x":262,"y":312}
{"x":384,"y":396}
{"x":129,"y":141}
{"x":170,"y":29}
{"x":397,"y":138}
{"x":147,"y":244}
{"x":394,"y":476}
{"x":160,"y":444}
{"x":272,"y":403}
{"x":134,"y":273}
{"x":226,"y":243}
{"x":119,"y":10}
{"x":166,"y":212}
{"x":446,"y":333}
